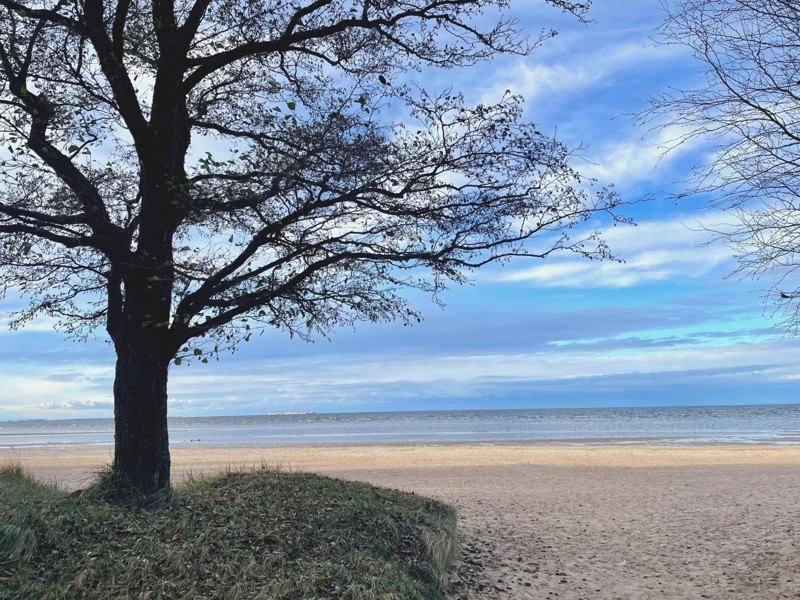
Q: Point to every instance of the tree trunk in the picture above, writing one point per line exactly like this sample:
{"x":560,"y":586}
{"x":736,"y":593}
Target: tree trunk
{"x":141,"y":440}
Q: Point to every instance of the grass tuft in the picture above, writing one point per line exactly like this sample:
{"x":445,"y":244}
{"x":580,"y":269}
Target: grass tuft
{"x":111,"y":488}
{"x":261,"y":534}
{"x":24,"y":504}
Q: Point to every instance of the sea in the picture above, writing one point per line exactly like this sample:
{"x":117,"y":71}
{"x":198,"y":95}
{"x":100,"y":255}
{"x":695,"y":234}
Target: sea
{"x":674,"y":425}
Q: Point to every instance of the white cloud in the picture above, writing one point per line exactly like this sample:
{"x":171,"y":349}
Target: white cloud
{"x":638,"y":158}
{"x":82,"y":405}
{"x":53,"y":390}
{"x":653,"y":251}
{"x":333,"y":381}
{"x":535,"y":79}
{"x":370,"y":381}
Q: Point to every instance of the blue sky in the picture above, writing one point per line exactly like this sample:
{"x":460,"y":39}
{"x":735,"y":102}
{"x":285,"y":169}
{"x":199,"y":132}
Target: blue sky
{"x":665,"y":327}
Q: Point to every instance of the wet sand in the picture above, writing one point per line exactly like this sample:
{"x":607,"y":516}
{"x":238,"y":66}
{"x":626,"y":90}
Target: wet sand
{"x":567,"y":522}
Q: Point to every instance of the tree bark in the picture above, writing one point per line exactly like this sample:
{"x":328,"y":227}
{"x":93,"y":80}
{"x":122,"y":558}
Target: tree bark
{"x":144,"y":350}
{"x":140,"y":332}
{"x":141,"y":439}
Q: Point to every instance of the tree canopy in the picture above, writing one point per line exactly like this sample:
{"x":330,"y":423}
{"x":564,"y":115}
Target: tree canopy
{"x":748,"y":104}
{"x":183,"y":173}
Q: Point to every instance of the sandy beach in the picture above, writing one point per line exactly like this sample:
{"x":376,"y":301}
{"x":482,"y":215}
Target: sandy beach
{"x":567,"y":522}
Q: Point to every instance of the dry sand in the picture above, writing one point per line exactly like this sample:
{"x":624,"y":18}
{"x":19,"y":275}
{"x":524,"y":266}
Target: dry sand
{"x":568,"y":522}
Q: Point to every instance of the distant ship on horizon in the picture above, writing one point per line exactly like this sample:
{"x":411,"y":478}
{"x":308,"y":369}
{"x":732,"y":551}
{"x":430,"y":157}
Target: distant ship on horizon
{"x":292,"y":412}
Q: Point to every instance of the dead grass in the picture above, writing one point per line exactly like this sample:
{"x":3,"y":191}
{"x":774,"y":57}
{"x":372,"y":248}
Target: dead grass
{"x":261,"y":534}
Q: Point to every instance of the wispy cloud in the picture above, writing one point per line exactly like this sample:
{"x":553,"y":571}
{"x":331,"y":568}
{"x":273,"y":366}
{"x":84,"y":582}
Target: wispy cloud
{"x":80,"y":405}
{"x":653,"y":251}
{"x":641,"y":157}
{"x":55,"y":389}
{"x":541,"y":77}
{"x":534,"y":379}
{"x":576,"y":351}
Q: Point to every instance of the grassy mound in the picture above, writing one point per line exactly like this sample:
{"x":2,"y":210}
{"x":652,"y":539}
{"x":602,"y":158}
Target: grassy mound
{"x":260,"y":534}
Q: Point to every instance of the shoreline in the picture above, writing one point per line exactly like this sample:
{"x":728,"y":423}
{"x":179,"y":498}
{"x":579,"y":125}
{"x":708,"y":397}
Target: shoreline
{"x":675,"y":441}
{"x":73,"y":466}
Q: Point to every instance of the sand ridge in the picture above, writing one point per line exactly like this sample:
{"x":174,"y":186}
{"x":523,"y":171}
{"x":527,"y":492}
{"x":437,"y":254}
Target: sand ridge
{"x":567,"y":522}
{"x":75,"y":465}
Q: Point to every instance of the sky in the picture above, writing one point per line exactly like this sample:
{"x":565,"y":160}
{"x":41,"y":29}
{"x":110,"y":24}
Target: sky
{"x":668,"y":326}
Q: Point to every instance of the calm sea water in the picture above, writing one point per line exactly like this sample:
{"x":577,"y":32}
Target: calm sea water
{"x":761,"y":424}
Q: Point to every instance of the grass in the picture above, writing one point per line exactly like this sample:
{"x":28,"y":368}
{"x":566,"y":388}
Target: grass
{"x":260,"y":534}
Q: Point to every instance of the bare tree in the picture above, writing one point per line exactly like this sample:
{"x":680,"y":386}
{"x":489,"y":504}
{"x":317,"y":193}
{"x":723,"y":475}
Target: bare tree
{"x":184,"y":173}
{"x":749,"y":105}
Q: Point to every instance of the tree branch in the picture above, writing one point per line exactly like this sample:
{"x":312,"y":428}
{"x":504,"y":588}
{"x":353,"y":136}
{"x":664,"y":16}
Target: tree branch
{"x":117,"y":76}
{"x":118,"y":29}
